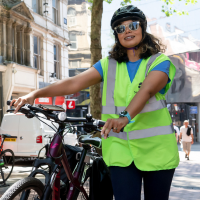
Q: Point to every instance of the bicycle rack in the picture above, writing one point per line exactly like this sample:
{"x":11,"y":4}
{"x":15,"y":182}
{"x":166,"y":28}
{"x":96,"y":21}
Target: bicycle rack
{"x":4,"y":182}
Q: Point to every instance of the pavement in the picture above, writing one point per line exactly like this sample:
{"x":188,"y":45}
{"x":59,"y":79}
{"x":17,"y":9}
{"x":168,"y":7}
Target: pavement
{"x":186,"y":181}
{"x":185,"y":184}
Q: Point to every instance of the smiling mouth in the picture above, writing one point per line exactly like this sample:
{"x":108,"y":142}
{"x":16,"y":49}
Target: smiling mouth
{"x":129,"y":37}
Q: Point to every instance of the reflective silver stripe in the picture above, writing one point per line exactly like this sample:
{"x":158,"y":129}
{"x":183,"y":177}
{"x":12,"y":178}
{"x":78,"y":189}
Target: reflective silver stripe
{"x":144,"y":133}
{"x":150,"y":132}
{"x":153,"y":105}
{"x":121,"y":135}
{"x":112,"y":110}
{"x":111,"y":84}
{"x":151,"y":60}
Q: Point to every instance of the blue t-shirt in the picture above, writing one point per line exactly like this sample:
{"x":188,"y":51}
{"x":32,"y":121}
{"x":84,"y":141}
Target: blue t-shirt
{"x":132,"y":68}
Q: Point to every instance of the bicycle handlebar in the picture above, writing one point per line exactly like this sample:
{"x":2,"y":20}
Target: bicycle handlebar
{"x":30,"y":112}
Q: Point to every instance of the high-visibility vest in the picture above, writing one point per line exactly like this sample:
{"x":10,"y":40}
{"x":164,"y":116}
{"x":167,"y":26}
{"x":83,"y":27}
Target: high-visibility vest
{"x":150,"y":141}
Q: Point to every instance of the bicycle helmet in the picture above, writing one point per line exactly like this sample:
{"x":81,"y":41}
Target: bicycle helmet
{"x":127,"y":13}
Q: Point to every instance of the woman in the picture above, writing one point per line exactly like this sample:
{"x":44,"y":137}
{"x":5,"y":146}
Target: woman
{"x":136,"y":79}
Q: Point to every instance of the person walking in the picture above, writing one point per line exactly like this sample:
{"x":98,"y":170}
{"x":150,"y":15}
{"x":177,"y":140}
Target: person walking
{"x":136,"y":77}
{"x":177,"y":132}
{"x":186,"y":138}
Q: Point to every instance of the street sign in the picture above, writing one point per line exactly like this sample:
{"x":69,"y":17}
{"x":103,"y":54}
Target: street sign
{"x":70,"y":104}
{"x":193,"y":110}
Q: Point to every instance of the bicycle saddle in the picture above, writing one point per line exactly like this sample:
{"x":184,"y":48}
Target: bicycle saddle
{"x":87,"y":139}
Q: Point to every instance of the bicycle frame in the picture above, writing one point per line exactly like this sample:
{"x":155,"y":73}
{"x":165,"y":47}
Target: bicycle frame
{"x":52,"y":181}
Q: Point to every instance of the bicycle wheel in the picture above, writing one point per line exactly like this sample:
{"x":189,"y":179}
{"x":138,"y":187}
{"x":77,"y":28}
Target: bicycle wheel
{"x":9,"y":161}
{"x":26,"y":189}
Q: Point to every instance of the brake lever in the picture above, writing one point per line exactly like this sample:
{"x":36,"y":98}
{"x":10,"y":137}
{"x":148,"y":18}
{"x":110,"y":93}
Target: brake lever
{"x":98,"y":129}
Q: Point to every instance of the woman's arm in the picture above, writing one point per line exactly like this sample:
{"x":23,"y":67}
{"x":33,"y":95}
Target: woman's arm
{"x":154,"y":82}
{"x":63,"y":87}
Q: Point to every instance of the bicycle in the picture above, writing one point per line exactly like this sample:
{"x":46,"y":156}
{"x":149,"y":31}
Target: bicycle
{"x":8,"y":160}
{"x":56,"y":158}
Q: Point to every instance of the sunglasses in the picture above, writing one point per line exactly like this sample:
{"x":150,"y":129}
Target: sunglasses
{"x":132,"y":26}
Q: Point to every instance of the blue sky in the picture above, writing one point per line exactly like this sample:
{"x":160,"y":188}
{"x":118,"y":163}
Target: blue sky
{"x":189,"y":24}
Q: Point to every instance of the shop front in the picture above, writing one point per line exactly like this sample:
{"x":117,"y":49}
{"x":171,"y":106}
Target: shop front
{"x":185,"y":111}
{"x":183,"y":98}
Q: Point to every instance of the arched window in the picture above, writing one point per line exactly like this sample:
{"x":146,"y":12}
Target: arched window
{"x":71,"y":16}
{"x":71,"y":11}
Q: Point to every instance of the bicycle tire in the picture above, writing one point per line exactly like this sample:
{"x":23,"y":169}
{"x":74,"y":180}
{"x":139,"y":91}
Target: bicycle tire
{"x":9,"y":162}
{"x":24,"y":185}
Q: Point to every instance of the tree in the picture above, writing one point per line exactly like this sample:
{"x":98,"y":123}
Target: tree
{"x":97,"y":10}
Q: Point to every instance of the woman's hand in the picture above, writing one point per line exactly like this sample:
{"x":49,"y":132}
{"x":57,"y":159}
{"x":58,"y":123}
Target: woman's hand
{"x":18,"y":103}
{"x":115,"y":124}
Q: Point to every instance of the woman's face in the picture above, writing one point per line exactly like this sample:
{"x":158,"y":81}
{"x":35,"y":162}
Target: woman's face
{"x":130,"y":38}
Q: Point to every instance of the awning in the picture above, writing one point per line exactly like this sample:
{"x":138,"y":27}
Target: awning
{"x":85,"y":102}
{"x":44,"y":101}
{"x":59,"y":100}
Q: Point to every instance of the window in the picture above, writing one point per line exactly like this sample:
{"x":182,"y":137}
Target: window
{"x":55,"y":11}
{"x":36,"y":52}
{"x":35,"y":6}
{"x":72,"y":38}
{"x":56,"y":62}
{"x":74,"y":64}
{"x":13,"y":45}
{"x":71,"y":11}
{"x":72,"y":21}
{"x":72,"y":2}
{"x":71,"y":17}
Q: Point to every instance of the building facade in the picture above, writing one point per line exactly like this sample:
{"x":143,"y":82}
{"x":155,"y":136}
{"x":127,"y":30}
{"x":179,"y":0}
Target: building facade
{"x":33,"y":46}
{"x":79,"y":26}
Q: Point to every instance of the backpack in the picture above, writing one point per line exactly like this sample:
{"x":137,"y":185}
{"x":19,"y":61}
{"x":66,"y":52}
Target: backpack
{"x":188,"y":131}
{"x":100,"y":182}
{"x":71,"y":152}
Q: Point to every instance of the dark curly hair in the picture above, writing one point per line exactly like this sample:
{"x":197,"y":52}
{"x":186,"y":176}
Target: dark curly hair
{"x":149,"y":45}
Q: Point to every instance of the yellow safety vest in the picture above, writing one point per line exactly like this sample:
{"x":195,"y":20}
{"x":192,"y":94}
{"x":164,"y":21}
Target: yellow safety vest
{"x":150,"y":141}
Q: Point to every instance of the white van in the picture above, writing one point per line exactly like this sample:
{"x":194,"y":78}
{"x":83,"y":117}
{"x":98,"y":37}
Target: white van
{"x":30,"y":134}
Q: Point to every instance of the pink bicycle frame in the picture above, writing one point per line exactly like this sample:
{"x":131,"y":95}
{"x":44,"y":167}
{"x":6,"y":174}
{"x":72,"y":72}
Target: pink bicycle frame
{"x":56,"y":150}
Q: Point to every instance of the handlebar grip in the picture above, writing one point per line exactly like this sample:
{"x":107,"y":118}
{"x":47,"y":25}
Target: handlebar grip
{"x":102,"y":123}
{"x":8,"y":102}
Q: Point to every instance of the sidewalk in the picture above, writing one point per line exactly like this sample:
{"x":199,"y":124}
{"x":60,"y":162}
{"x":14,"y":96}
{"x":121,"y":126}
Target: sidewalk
{"x":185,"y":184}
{"x":186,"y":181}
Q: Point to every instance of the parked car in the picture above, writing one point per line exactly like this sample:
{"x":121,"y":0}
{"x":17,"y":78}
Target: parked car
{"x":30,"y":134}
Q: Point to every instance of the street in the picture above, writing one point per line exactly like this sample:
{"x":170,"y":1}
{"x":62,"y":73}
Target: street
{"x":185,"y":185}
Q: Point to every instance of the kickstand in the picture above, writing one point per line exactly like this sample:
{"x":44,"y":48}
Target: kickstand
{"x":4,"y":182}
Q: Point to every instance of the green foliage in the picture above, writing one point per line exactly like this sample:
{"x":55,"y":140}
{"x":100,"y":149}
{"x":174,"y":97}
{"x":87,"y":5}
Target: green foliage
{"x":167,"y":8}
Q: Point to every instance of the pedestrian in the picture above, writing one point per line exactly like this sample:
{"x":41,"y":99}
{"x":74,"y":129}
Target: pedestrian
{"x":186,"y":138}
{"x":136,"y":77}
{"x":176,"y":131}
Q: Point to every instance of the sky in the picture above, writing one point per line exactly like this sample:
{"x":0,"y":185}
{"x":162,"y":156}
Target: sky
{"x":185,"y":26}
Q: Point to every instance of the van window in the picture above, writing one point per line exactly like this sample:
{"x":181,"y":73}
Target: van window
{"x":10,"y":123}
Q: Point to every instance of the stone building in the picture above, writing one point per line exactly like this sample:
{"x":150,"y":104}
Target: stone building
{"x":33,"y":46}
{"x":79,"y":26}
